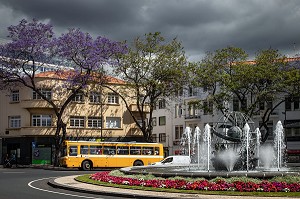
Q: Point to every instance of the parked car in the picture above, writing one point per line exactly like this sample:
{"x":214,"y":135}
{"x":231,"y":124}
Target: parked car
{"x":176,"y":160}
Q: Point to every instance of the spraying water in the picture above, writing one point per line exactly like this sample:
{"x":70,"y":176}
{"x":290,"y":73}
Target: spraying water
{"x":234,"y":146}
{"x":207,"y":141}
{"x":196,"y":142}
{"x":279,"y":144}
{"x":258,"y":138}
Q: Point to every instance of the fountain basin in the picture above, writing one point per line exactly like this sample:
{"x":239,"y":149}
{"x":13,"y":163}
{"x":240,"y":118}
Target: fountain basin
{"x":173,"y":171}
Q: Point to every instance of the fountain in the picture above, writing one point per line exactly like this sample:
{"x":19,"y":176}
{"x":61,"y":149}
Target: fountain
{"x":232,"y":147}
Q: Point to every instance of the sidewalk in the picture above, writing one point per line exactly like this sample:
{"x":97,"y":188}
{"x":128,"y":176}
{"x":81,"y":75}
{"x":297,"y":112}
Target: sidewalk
{"x":69,"y":183}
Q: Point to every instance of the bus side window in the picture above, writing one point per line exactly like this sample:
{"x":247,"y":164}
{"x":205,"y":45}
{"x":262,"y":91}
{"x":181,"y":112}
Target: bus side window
{"x":84,"y":149}
{"x":122,"y":150}
{"x":156,"y":151}
{"x":99,"y":150}
{"x":93,"y":150}
{"x":73,"y":151}
{"x":135,"y":150}
{"x":109,"y":150}
{"x":148,"y":151}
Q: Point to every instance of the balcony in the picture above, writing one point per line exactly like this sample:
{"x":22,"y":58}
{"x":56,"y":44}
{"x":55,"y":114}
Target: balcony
{"x":29,"y":104}
{"x":134,"y":108}
{"x":192,"y":117}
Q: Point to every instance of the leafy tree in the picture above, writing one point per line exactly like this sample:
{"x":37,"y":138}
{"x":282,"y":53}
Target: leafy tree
{"x":219,"y":74}
{"x":153,"y":69}
{"x":228,"y":75}
{"x":33,"y":44}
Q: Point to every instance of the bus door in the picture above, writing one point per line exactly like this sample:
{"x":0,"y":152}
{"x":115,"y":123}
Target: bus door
{"x":110,"y":156}
{"x":73,"y":152}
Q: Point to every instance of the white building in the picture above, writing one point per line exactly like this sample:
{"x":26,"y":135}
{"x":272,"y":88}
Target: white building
{"x":173,"y":117}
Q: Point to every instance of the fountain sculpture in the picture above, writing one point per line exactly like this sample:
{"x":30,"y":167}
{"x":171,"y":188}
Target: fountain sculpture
{"x":233,"y":145}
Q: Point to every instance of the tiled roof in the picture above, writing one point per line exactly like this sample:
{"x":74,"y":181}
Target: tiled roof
{"x":289,"y":59}
{"x":65,"y":74}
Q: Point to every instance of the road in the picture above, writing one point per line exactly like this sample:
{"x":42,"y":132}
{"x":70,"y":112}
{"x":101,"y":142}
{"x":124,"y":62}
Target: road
{"x":29,"y":183}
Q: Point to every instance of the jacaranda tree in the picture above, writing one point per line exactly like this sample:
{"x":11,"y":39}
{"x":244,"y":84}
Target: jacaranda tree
{"x":33,"y":44}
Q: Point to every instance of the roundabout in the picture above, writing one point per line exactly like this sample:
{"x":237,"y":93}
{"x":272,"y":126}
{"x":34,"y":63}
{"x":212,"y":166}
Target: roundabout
{"x":170,"y":171}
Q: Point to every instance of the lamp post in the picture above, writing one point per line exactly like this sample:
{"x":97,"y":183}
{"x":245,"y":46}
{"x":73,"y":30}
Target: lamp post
{"x":284,"y":126}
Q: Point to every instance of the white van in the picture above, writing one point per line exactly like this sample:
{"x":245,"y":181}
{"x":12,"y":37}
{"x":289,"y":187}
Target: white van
{"x":176,"y":160}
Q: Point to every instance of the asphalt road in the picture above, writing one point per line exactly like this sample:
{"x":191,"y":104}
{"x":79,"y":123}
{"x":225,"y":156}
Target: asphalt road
{"x":30,"y":183}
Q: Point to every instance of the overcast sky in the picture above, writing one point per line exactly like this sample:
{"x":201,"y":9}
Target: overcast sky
{"x":201,"y":25}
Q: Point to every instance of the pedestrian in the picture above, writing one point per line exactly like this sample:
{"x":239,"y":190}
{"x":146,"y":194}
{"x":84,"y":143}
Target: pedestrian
{"x":7,"y":163}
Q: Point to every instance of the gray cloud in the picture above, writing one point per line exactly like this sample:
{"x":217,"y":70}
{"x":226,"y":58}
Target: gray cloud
{"x":201,"y":25}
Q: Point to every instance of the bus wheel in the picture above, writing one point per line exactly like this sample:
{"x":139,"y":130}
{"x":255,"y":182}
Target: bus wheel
{"x":86,"y":165}
{"x":138,"y":163}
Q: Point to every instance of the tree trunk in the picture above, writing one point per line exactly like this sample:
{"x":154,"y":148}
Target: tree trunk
{"x":61,"y":126}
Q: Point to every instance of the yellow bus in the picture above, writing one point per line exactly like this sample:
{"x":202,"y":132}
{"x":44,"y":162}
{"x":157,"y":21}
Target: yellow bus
{"x":86,"y":155}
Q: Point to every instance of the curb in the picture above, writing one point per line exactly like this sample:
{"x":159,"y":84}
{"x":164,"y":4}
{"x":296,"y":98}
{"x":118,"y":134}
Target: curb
{"x":131,"y":194}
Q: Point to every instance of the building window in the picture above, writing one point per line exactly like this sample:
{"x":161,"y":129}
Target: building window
{"x":292,"y":103}
{"x":296,"y":103}
{"x":78,"y":97}
{"x":95,"y":97}
{"x":270,"y":128}
{"x":288,"y":103}
{"x":178,"y":132}
{"x":162,"y":120}
{"x":162,"y":137}
{"x":180,"y":110}
{"x":77,"y":121}
{"x":154,"y":121}
{"x":244,"y":104}
{"x":113,"y":98}
{"x":180,"y":92}
{"x":154,"y":137}
{"x":15,"y":96}
{"x":45,"y":92}
{"x":262,"y":106}
{"x":41,"y":120}
{"x":236,"y":104}
{"x":190,"y":91}
{"x":162,"y":104}
{"x":208,"y":108}
{"x":113,"y":122}
{"x":141,"y":122}
{"x":269,"y":104}
{"x":14,"y":121}
{"x":176,"y":110}
{"x":94,"y":122}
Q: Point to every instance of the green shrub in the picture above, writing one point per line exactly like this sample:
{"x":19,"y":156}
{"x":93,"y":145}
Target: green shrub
{"x":287,"y":179}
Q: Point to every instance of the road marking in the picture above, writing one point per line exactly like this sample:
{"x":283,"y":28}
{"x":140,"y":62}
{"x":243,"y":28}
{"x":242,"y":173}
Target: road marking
{"x":73,"y":195}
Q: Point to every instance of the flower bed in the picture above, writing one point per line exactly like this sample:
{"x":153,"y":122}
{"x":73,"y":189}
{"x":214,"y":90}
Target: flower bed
{"x":203,"y":184}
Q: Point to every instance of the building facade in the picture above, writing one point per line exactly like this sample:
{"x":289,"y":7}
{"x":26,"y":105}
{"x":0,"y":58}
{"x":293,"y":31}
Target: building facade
{"x":28,"y":123}
{"x":180,"y":114}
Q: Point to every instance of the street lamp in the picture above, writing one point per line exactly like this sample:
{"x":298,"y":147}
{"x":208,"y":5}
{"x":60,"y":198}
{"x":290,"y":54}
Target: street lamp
{"x":284,"y":126}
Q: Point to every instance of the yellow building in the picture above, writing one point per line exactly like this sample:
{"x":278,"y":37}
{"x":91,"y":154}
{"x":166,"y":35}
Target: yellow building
{"x":28,"y":123}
